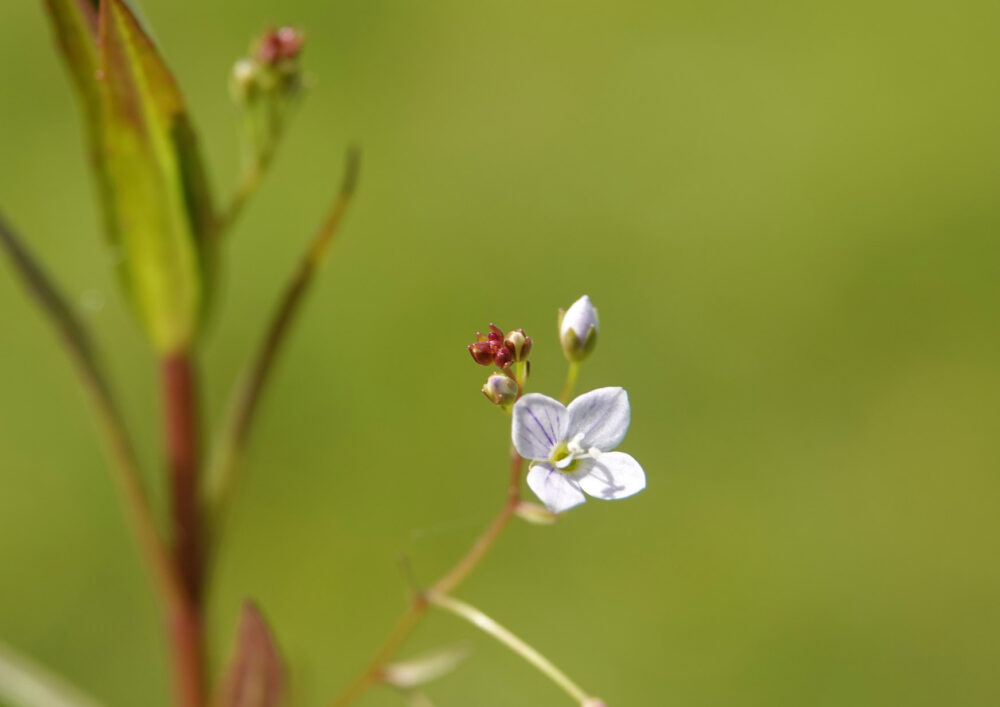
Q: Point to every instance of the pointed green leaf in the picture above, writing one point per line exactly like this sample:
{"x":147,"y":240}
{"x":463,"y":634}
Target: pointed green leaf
{"x":159,"y":200}
{"x":75,"y":25}
{"x":154,"y":190}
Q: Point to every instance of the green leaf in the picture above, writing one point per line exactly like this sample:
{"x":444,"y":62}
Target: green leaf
{"x":158,"y":211}
{"x":75,"y":25}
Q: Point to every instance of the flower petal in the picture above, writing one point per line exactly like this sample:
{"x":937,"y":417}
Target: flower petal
{"x":556,"y":489}
{"x":539,"y":426}
{"x":614,"y":475}
{"x":602,"y":416}
{"x":580,"y":316}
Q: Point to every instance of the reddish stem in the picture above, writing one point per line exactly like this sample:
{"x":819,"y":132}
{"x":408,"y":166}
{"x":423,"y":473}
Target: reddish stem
{"x":181,"y":441}
{"x":184,"y":631}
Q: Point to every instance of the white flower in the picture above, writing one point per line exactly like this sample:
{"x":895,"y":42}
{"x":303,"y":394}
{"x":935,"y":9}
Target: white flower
{"x":571,"y":447}
{"x":578,"y":327}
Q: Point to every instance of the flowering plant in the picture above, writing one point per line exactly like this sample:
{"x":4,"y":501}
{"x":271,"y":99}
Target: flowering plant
{"x":162,"y":220}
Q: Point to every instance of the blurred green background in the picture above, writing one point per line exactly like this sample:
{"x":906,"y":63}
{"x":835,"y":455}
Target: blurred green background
{"x":788,"y":216}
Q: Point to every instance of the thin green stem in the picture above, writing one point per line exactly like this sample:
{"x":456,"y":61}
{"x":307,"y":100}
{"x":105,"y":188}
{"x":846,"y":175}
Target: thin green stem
{"x":262,"y":149}
{"x":226,"y":461}
{"x":521,"y":375}
{"x":449,"y":581}
{"x":124,"y":463}
{"x":571,"y":375}
{"x":249,"y":182}
{"x":484,"y":623}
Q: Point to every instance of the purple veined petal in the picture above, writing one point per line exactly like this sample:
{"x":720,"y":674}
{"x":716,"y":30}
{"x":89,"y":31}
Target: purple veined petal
{"x":602,"y":416}
{"x":614,"y":475}
{"x":539,"y":426}
{"x":557,"y":490}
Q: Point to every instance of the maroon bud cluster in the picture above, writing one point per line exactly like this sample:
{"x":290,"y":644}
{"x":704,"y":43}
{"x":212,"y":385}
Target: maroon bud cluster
{"x":279,"y":44}
{"x":496,"y":349}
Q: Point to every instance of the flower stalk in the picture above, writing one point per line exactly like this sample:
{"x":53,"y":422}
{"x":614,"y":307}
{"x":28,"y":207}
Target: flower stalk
{"x":224,"y":471}
{"x":161,"y":566}
{"x":572,"y":372}
{"x":489,"y":626}
{"x":419,"y":604}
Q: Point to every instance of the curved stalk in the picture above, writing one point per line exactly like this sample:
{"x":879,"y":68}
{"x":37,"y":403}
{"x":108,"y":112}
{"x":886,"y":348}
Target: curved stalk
{"x":226,"y":462}
{"x":484,"y":623}
{"x":449,"y":581}
{"x":124,"y":464}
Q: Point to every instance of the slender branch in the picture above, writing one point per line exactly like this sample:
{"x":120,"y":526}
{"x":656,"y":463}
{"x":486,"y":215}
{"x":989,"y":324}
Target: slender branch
{"x":483,"y":622}
{"x":250,"y":180}
{"x":457,"y":574}
{"x":124,"y":463}
{"x":419,"y":604}
{"x":263,"y":150}
{"x":225,"y":468}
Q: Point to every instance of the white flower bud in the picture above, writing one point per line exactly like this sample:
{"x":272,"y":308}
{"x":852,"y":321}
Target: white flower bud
{"x":500,"y":389}
{"x":578,"y":328}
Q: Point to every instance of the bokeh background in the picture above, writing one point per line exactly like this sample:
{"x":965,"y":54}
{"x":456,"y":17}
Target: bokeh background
{"x":788,"y":216}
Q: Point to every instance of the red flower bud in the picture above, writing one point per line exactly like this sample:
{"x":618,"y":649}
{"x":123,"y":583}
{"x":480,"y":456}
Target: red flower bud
{"x":495,"y":337}
{"x":482,"y":353}
{"x":504,"y":356}
{"x":277,"y":45}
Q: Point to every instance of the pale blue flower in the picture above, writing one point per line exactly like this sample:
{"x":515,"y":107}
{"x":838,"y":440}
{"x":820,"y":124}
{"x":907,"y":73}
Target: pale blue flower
{"x":570,"y":447}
